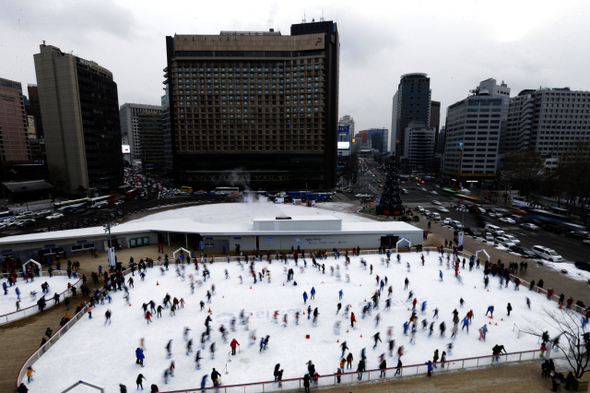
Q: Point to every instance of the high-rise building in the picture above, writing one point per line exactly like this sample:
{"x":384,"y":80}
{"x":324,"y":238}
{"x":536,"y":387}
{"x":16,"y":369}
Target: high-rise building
{"x":14,"y":143}
{"x":472,"y":132}
{"x":411,"y":102}
{"x":257,"y":108}
{"x":345,"y":135}
{"x":80,"y":115}
{"x":168,"y":151}
{"x":553,"y":121}
{"x":142,"y":124}
{"x":378,"y":138}
{"x":419,"y":147}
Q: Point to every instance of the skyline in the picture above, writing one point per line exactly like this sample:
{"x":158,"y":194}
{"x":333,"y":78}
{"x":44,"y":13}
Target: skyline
{"x":532,"y":46}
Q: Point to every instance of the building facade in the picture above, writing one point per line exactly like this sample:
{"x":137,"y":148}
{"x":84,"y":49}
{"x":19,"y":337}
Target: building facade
{"x":345,"y":135}
{"x":255,"y":108}
{"x":411,"y":102}
{"x":14,"y":143}
{"x":142,"y":123}
{"x":378,"y":138}
{"x":80,"y":115}
{"x":419,"y":147}
{"x":553,"y":121}
{"x":472,"y":136}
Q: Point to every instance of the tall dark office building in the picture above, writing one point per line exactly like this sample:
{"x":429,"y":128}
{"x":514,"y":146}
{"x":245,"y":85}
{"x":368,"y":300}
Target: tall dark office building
{"x":80,"y":115}
{"x":411,"y":103}
{"x":257,"y":109}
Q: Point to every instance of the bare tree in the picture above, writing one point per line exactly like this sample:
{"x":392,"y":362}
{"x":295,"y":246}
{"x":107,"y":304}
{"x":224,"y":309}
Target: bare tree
{"x":523,"y":171}
{"x":572,"y":340}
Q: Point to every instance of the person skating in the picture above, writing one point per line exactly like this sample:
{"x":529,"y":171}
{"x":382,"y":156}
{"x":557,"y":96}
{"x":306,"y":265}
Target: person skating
{"x":122,"y":388}
{"x":383,"y":368}
{"x":398,"y":368}
{"x":30,"y":372}
{"x":139,"y":356}
{"x":139,"y":381}
{"x":349,"y":360}
{"x":509,"y":308}
{"x":376,"y":339}
{"x":169,"y":349}
{"x":497,"y":350}
{"x":429,"y":366}
{"x":215,"y":377}
{"x":22,"y":388}
{"x":234,"y":344}
{"x":352,"y":320}
{"x":360,"y":369}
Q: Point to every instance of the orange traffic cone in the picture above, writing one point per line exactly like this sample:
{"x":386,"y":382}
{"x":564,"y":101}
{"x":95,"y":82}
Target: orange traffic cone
{"x":337,"y":341}
{"x":157,"y":283}
{"x":210,"y":312}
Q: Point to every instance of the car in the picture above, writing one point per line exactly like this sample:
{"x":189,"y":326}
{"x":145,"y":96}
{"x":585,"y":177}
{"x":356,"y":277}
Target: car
{"x":435,"y":202}
{"x":434,"y":192}
{"x":526,"y":252}
{"x":472,"y":232}
{"x":530,"y":226}
{"x":505,"y":242}
{"x":492,"y":214}
{"x":513,"y":238}
{"x":420,"y":209}
{"x":553,"y":228}
{"x":456,"y":224}
{"x":547,"y":253}
{"x":119,"y":202}
{"x":404,"y":191}
{"x":489,"y":238}
{"x":27,"y":222}
{"x":447,"y":221}
{"x":443,"y":209}
{"x":580,"y":235}
{"x":586,"y":241}
{"x":54,"y":216}
{"x":583,"y":265}
{"x":507,"y":220}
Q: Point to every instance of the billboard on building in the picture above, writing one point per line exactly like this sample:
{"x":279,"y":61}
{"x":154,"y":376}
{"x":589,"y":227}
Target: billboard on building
{"x":344,"y":129}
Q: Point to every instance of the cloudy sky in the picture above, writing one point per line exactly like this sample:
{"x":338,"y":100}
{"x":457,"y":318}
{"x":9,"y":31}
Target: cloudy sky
{"x":526,"y":43}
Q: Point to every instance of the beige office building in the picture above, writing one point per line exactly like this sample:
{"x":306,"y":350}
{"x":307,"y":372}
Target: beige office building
{"x":80,"y":112}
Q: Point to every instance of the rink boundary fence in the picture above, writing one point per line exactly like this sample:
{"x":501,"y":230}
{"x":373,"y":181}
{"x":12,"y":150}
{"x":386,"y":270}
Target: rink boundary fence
{"x":351,"y":378}
{"x":34,"y":309}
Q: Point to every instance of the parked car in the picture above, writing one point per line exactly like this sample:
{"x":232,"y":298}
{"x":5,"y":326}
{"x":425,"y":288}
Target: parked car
{"x":456,"y":224}
{"x":435,"y":202}
{"x":472,"y":232}
{"x":553,"y":228}
{"x":443,"y":209}
{"x":526,"y":252}
{"x":447,"y":221}
{"x":505,"y":242}
{"x":530,"y":226}
{"x":513,"y":238}
{"x":489,"y":238}
{"x":547,"y":253}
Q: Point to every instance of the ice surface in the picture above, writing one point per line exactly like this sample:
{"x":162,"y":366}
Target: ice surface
{"x":104,"y":354}
{"x":56,"y":284}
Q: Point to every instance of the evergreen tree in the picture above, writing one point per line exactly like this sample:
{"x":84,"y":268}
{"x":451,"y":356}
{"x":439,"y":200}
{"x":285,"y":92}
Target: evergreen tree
{"x":391,"y":201}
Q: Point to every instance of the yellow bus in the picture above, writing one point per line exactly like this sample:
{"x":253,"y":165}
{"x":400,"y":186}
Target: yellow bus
{"x":186,"y":188}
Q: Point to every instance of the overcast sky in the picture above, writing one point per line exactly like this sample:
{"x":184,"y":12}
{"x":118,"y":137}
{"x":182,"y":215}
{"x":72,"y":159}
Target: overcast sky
{"x":526,"y":43}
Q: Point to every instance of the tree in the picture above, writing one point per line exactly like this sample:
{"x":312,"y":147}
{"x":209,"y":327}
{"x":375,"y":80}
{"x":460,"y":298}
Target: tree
{"x":523,"y":171}
{"x":572,"y":341}
{"x":391,"y":201}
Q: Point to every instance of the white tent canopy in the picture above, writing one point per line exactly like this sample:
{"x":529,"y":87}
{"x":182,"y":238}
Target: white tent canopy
{"x":31,"y":261}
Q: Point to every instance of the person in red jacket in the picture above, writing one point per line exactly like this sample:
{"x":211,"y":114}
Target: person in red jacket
{"x":352,"y":319}
{"x":234,"y":344}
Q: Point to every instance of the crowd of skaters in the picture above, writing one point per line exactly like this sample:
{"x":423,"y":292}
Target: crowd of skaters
{"x":116,"y":281}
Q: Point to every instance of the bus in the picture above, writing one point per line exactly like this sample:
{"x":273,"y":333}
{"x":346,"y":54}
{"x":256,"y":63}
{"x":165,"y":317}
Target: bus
{"x":468,"y":200}
{"x":448,"y":192}
{"x":186,"y":188}
{"x":101,"y":201}
{"x":518,"y":201}
{"x":548,"y":217}
{"x":6,"y":217}
{"x":71,"y":204}
{"x":227,"y":190}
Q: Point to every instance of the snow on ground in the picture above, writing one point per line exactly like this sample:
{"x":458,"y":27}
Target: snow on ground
{"x":104,"y":354}
{"x":56,"y":284}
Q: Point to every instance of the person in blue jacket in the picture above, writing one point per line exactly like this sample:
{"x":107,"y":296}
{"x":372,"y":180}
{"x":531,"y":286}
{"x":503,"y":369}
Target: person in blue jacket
{"x":429,"y":364}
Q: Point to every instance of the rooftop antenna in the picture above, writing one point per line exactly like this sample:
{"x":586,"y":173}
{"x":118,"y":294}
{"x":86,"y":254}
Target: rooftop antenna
{"x":304,"y":21}
{"x":322,"y":17}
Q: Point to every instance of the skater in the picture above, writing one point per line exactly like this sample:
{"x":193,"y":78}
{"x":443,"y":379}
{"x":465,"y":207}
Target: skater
{"x":304,"y":297}
{"x":107,"y":315}
{"x":482,"y":332}
{"x":234,"y":344}
{"x":509,"y":308}
{"x":491,"y":311}
{"x":139,"y":381}
{"x":349,"y":360}
{"x":352,"y":320}
{"x":139,"y":355}
{"x":30,"y":372}
{"x":169,"y":349}
{"x":398,"y":368}
{"x":429,"y":364}
{"x":216,"y":378}
{"x":496,"y":351}
{"x":376,"y":338}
